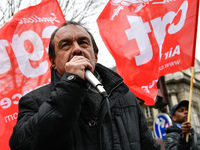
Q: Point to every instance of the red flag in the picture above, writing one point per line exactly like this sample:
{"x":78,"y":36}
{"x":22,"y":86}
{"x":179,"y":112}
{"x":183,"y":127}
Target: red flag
{"x":24,"y":59}
{"x":148,"y":39}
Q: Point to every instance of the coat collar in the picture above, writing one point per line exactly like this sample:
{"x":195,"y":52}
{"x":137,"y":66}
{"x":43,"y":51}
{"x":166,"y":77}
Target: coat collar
{"x":55,"y":77}
{"x":110,"y":78}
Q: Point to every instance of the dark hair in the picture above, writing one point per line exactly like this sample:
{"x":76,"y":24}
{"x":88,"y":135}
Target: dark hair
{"x":51,"y":52}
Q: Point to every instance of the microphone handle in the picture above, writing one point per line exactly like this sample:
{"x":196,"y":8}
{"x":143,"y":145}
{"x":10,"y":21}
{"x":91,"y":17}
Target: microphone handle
{"x":94,"y":81}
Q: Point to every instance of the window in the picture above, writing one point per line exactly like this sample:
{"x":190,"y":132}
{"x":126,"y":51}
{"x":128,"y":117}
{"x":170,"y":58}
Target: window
{"x":148,"y":112}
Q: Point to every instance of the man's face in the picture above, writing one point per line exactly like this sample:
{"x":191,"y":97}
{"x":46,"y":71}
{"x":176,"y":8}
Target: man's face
{"x":181,"y":114}
{"x":69,"y":41}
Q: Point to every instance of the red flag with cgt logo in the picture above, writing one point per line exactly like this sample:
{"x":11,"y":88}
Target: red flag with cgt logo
{"x":149,"y":39}
{"x":24,"y":60}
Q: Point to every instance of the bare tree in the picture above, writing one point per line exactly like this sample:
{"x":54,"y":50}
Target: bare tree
{"x":9,"y":7}
{"x":79,"y":10}
{"x":72,"y":9}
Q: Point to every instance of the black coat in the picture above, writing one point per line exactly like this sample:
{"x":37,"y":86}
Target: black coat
{"x":57,"y":117}
{"x":174,"y":141}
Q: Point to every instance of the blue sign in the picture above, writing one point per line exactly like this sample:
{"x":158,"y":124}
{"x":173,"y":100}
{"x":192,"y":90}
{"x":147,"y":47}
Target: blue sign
{"x":161,"y":122}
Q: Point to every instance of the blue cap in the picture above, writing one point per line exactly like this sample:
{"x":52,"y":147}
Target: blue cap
{"x":181,"y":103}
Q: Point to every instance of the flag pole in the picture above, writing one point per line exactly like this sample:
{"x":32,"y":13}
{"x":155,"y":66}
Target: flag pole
{"x":192,"y":76}
{"x":190,"y":100}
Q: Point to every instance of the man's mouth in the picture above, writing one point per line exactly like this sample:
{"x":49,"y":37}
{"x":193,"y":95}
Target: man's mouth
{"x":77,"y":55}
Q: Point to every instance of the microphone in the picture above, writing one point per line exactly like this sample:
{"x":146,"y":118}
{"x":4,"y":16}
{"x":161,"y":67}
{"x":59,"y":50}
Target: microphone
{"x":94,"y":81}
{"x":97,"y":84}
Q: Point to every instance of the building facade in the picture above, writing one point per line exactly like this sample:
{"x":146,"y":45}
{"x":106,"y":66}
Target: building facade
{"x":178,"y":86}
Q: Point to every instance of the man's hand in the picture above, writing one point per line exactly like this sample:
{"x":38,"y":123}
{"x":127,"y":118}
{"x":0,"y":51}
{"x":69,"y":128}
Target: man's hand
{"x":186,"y":128}
{"x":77,"y":65}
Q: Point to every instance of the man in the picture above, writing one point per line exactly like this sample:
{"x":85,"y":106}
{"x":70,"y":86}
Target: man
{"x":175,"y":138}
{"x":69,"y":114}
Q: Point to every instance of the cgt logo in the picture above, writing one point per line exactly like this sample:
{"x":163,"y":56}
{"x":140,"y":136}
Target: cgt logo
{"x":139,"y":31}
{"x":139,"y":4}
{"x":22,"y":55}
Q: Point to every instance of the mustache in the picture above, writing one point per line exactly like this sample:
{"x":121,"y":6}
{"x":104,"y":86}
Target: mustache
{"x":79,"y":54}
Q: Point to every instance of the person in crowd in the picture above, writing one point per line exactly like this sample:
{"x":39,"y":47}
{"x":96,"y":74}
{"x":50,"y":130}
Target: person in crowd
{"x":175,"y":138}
{"x":69,"y":113}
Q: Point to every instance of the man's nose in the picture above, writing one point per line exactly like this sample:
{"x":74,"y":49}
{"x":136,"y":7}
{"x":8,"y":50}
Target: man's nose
{"x":77,"y":50}
{"x":186,"y":111}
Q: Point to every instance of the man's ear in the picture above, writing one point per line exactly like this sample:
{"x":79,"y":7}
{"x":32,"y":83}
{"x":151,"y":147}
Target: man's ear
{"x":53,"y":64}
{"x":174,"y":118}
{"x":96,"y":57}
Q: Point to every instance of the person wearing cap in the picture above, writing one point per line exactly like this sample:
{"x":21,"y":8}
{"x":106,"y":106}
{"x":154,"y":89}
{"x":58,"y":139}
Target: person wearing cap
{"x":175,"y":138}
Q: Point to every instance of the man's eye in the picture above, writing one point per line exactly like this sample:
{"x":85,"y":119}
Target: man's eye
{"x":64,"y":45}
{"x":84,"y":42}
